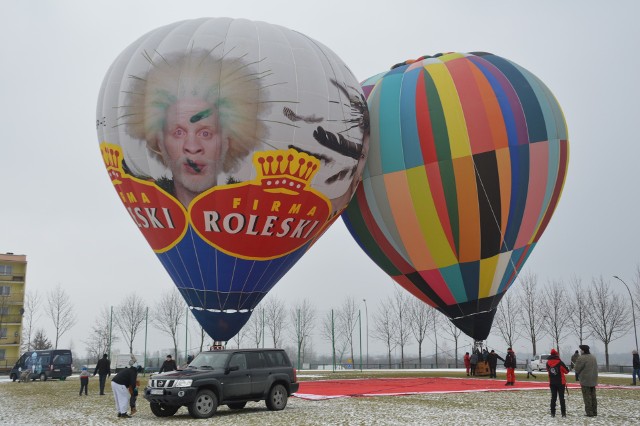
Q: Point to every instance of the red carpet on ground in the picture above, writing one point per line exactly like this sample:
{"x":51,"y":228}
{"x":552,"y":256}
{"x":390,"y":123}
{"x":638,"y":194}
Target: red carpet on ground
{"x":326,"y":389}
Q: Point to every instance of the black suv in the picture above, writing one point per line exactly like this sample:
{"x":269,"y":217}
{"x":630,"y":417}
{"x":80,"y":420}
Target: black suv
{"x":231,"y":377}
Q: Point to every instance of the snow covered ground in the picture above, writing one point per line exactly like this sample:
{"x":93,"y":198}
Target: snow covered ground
{"x":55,"y":402}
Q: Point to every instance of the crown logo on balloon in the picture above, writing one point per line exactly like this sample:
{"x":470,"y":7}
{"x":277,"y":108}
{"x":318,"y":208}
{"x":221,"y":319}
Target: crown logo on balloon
{"x":288,"y":171}
{"x":112,"y":157}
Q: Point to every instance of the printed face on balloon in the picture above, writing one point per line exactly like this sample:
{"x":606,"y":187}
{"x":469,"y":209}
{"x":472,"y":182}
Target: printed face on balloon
{"x":192,"y":147}
{"x":193,"y":124}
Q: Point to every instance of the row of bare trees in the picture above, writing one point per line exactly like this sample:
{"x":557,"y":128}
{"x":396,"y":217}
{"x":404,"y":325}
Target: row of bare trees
{"x":58,"y":309}
{"x":529,"y":311}
{"x":533,"y":311}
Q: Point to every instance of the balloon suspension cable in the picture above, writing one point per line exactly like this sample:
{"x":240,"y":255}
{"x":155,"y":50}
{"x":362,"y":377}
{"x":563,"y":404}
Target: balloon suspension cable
{"x":493,"y":213}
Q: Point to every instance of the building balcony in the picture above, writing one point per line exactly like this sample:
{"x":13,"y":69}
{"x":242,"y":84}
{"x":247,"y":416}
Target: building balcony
{"x":10,"y":319}
{"x":12,"y":299}
{"x":12,"y":278}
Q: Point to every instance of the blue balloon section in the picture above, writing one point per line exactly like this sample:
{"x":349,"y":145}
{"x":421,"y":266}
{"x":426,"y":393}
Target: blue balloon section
{"x":222,"y":290}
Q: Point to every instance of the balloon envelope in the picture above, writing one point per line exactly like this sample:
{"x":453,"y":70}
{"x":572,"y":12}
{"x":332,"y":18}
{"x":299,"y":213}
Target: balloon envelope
{"x":232,"y":144}
{"x":467,"y":160}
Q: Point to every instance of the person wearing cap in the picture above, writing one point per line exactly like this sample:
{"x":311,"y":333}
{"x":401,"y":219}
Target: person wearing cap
{"x":636,"y":366}
{"x":84,"y":380}
{"x":557,"y":382}
{"x":587,"y":369}
{"x":120,"y":385}
{"x":168,"y":365}
{"x":103,"y":369}
{"x":510,"y":365}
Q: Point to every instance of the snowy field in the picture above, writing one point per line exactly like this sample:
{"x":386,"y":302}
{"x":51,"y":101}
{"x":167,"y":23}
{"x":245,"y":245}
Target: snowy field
{"x":56,"y":402}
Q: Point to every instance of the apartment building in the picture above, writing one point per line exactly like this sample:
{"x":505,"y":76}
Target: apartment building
{"x":13,"y":269}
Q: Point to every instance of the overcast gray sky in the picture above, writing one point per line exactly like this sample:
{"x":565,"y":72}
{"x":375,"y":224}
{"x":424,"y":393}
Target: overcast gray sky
{"x":59,"y":208}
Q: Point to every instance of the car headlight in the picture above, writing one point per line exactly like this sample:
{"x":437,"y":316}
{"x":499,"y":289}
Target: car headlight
{"x":182,"y":383}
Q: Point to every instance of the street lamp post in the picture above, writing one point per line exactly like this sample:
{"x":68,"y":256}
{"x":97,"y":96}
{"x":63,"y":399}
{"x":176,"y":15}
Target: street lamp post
{"x":633,"y":310}
{"x":366,"y":312}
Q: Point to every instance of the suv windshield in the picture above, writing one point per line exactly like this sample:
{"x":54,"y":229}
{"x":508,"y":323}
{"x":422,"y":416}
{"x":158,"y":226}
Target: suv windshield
{"x":210,"y":360}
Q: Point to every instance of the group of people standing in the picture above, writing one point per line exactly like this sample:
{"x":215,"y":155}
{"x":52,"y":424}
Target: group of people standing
{"x":583,"y":363}
{"x":124,"y":384}
{"x":491,"y":358}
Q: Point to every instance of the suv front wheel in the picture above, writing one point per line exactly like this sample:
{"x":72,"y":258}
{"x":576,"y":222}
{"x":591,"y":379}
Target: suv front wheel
{"x":163,"y":410}
{"x":277,"y":398}
{"x":204,"y":406}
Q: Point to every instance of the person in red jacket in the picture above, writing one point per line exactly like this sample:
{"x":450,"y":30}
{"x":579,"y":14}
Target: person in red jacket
{"x":557,"y":382}
{"x":467,"y":362}
{"x":510,"y":365}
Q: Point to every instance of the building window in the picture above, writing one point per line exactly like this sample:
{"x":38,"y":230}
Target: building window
{"x":5,"y":269}
{"x":4,"y":310}
{"x":2,"y":354}
{"x":5,"y":290}
{"x":3,"y":333}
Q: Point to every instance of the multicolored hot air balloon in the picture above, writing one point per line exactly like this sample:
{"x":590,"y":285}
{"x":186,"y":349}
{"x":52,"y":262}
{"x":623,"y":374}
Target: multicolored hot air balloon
{"x":232,"y":144}
{"x":467,"y":160}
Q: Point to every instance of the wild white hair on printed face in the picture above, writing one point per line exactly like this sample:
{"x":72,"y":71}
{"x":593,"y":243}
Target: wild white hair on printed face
{"x":229,"y":85}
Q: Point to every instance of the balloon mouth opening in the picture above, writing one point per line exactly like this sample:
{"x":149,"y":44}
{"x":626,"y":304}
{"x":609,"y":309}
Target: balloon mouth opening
{"x":223,"y":311}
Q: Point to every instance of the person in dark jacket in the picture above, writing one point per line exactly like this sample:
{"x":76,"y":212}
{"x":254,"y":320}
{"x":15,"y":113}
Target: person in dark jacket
{"x":587,"y":368}
{"x":636,"y":366}
{"x":103,"y":369}
{"x":492,"y":359}
{"x":473,"y":359}
{"x":120,"y":385}
{"x":510,"y":365}
{"x":557,"y":382}
{"x":168,"y":365}
{"x":574,"y":358}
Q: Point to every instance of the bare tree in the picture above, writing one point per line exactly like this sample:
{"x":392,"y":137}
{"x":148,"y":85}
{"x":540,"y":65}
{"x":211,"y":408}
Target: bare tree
{"x":401,"y":300}
{"x":384,"y":326}
{"x":97,"y":343}
{"x":40,"y":341}
{"x":168,"y":315}
{"x":302,"y":317}
{"x":556,"y":306}
{"x":197,"y":330}
{"x":435,"y":322}
{"x":202,"y":334}
{"x":455,"y":333}
{"x":130,"y":316}
{"x":609,"y":319}
{"x":239,"y":337}
{"x":255,"y":327}
{"x":60,"y":310}
{"x":579,"y":310}
{"x":329,"y":332}
{"x":531,"y":309}
{"x":507,"y":316}
{"x":347,"y":322}
{"x":419,"y":322}
{"x":29,"y":318}
{"x":274,"y":318}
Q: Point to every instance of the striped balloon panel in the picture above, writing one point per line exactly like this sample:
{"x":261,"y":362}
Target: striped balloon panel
{"x":468,"y":156}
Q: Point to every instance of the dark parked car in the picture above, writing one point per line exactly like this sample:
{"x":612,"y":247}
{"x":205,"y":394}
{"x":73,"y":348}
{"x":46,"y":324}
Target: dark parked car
{"x":230,"y":377}
{"x":43,"y":365}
